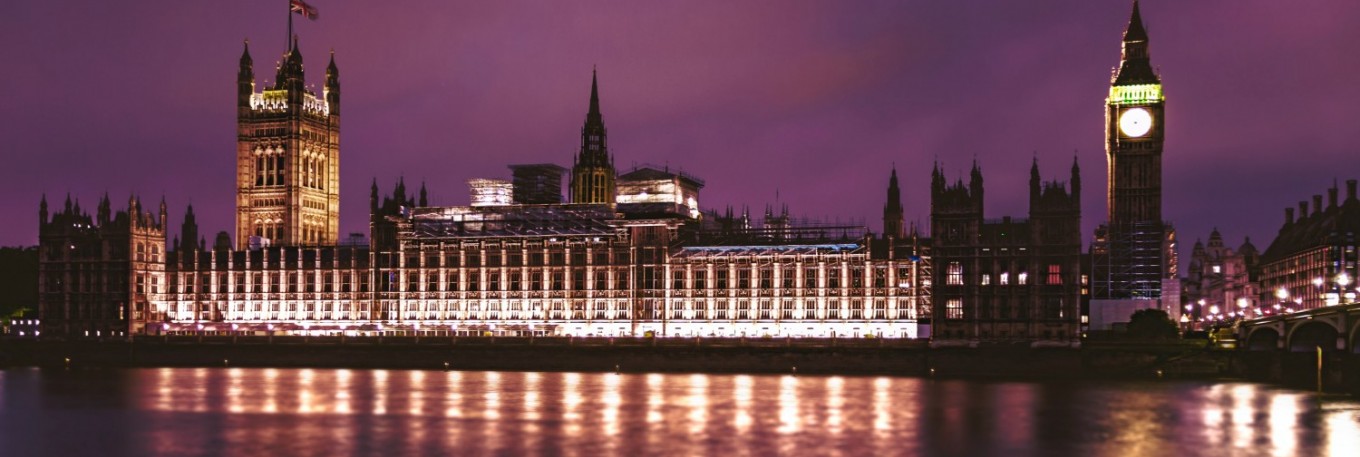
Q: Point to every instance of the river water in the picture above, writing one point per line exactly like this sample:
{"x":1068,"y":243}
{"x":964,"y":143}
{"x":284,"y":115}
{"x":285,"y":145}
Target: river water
{"x":257,"y":412}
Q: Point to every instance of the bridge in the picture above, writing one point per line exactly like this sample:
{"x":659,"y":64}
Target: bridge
{"x":1332,"y":328}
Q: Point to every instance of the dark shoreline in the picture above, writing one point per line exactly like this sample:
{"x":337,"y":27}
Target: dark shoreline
{"x":844,"y":357}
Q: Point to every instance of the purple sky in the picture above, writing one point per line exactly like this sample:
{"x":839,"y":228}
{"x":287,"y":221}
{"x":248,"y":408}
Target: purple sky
{"x":816,"y":99}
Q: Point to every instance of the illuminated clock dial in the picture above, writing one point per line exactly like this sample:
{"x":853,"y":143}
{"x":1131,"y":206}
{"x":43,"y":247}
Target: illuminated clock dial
{"x":1135,"y":122}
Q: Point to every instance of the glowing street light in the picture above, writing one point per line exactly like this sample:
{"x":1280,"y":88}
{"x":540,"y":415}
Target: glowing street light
{"x":1282,"y":293}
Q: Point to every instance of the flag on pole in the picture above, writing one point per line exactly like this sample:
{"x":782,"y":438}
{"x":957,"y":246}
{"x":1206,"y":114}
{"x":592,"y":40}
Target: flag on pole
{"x":301,"y":7}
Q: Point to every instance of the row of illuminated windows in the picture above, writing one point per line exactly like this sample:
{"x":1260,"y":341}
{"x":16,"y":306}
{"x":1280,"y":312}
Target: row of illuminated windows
{"x":954,"y":276}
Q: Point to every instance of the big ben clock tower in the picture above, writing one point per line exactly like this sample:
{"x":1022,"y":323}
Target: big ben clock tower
{"x":1134,"y":127}
{"x":1133,"y":255}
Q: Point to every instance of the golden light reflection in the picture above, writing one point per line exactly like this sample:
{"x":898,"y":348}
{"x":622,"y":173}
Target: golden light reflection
{"x":271,"y":390}
{"x":416,"y":391}
{"x":882,"y":407}
{"x":655,"y":399}
{"x":835,"y":401}
{"x":379,"y":392}
{"x":1343,"y":432}
{"x":742,"y":400}
{"x":1242,"y":412}
{"x":234,"y":391}
{"x":165,"y":400}
{"x":1213,"y":417}
{"x":1284,"y":417}
{"x":531,"y":396}
{"x":304,"y":391}
{"x":453,"y":396}
{"x":698,"y":404}
{"x":571,"y":402}
{"x":198,"y":397}
{"x":415,"y":388}
{"x":492,"y":396}
{"x":789,"y":422}
{"x":611,"y":400}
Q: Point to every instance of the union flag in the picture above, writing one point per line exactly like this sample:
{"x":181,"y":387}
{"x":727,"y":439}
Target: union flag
{"x":301,"y":7}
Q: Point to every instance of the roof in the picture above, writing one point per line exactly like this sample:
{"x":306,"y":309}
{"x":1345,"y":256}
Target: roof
{"x":1315,"y":230}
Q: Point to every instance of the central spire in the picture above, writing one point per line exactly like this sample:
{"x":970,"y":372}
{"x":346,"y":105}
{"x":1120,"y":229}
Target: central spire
{"x":594,"y":113}
{"x":593,"y":171}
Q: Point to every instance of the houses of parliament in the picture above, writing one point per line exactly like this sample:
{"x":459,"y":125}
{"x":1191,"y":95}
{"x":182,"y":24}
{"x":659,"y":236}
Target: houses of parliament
{"x":626,"y":253}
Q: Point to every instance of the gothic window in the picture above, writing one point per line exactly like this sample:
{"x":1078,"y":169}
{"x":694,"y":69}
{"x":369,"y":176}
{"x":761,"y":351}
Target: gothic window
{"x":953,"y":309}
{"x":1022,"y":278}
{"x":955,"y":271}
{"x":1055,"y":274}
{"x":1005,"y":279}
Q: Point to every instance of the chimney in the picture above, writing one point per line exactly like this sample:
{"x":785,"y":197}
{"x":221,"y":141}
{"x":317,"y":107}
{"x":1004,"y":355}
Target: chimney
{"x":1350,"y":189}
{"x":1317,"y":204}
{"x":1288,"y":216}
{"x":1331,"y":197}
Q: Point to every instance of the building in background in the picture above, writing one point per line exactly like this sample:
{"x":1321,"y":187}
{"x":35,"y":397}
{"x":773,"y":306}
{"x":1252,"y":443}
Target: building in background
{"x":1134,"y":251}
{"x":100,"y":276}
{"x":1312,"y":262}
{"x":1221,"y":282}
{"x":1006,"y":280}
{"x":537,"y":184}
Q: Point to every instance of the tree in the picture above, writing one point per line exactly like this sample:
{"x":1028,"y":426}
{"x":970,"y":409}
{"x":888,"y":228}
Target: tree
{"x":1152,"y":324}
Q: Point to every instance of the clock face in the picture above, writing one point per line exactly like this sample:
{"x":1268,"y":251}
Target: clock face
{"x":1135,"y":122}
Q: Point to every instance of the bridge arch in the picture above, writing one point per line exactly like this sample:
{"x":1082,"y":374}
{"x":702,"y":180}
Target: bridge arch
{"x":1263,"y":339}
{"x":1308,"y":336}
{"x":1355,"y":338}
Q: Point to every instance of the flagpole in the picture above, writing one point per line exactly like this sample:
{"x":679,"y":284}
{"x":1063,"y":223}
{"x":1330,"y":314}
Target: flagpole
{"x":288,"y":41}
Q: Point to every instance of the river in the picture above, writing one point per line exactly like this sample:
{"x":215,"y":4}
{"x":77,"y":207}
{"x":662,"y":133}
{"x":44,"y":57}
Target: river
{"x":256,"y":412}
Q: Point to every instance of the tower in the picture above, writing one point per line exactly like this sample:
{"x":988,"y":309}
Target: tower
{"x":592,"y":173}
{"x":892,"y":211}
{"x":287,"y":155}
{"x":1134,"y":127}
{"x":1133,"y":254}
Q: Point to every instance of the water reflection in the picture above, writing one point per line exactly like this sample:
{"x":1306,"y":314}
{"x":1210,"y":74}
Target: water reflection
{"x":241,"y":411}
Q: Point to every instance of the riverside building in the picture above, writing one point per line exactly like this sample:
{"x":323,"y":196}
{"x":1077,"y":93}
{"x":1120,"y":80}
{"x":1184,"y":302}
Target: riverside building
{"x":627,"y":255}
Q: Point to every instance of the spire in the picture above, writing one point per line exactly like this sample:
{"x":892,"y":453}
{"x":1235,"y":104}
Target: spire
{"x":332,"y":89}
{"x":247,"y":64}
{"x":594,"y":97}
{"x":424,"y":198}
{"x":105,"y":210}
{"x":1076,"y":178}
{"x":42,"y":210}
{"x":1034,"y":181}
{"x":1135,"y":67}
{"x":1135,"y":30}
{"x":892,"y":211}
{"x":373,"y":199}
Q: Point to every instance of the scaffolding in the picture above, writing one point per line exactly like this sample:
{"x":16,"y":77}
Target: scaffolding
{"x":1129,"y":261}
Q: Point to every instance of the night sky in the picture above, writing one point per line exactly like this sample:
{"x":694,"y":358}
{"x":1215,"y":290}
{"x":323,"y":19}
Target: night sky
{"x":812,"y":101}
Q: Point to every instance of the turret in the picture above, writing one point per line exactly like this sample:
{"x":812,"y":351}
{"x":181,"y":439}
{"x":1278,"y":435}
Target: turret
{"x":1076,"y":180}
{"x":892,"y":210}
{"x":373,"y":199}
{"x":290,"y":75}
{"x":189,"y":230}
{"x":424,"y":197}
{"x":245,"y":78}
{"x":104,"y":212}
{"x":42,"y":211}
{"x":332,"y":89}
{"x":162,"y":215}
{"x":1034,"y":182}
{"x":975,"y":186}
